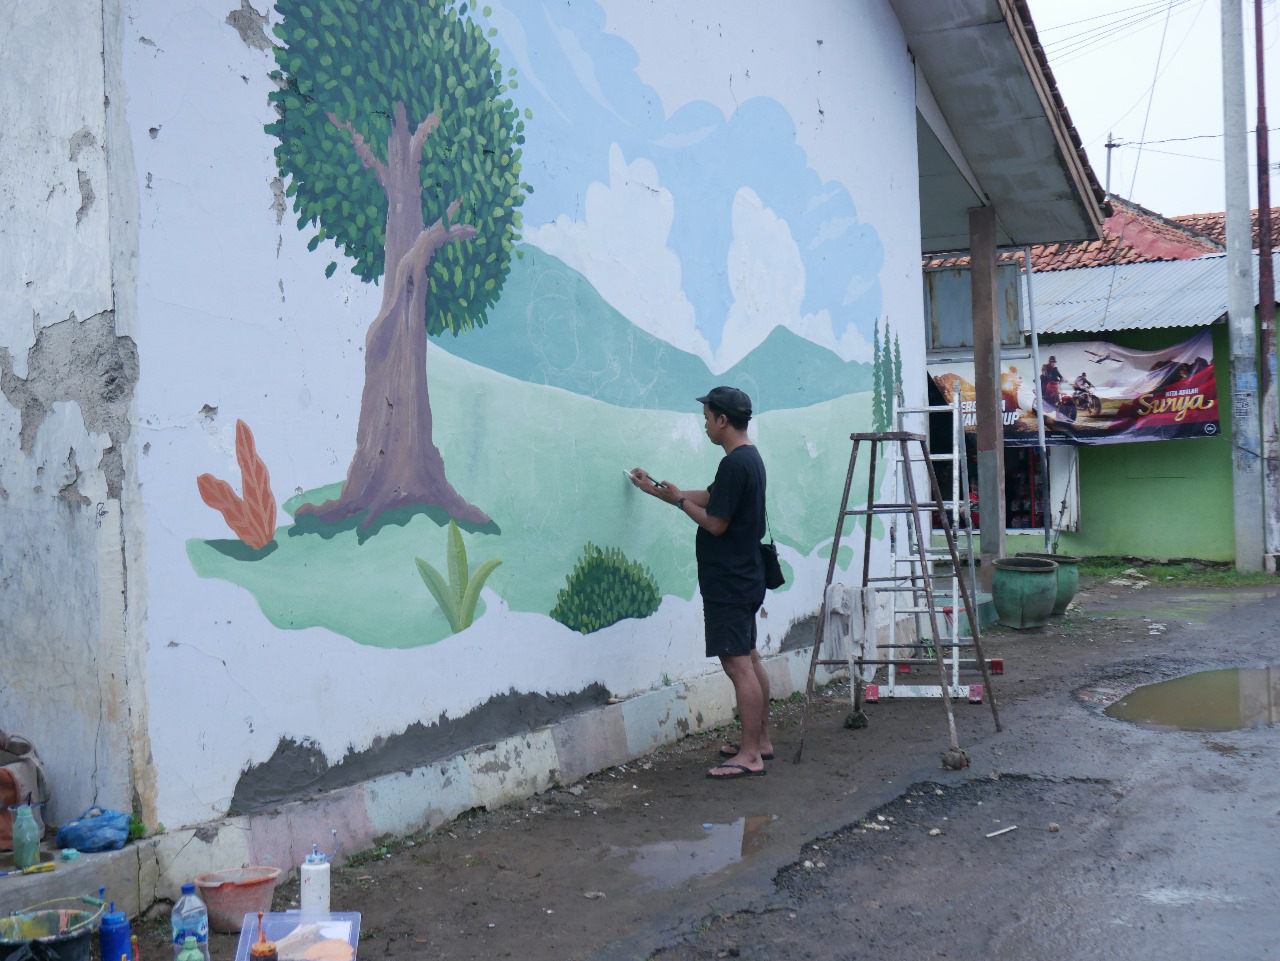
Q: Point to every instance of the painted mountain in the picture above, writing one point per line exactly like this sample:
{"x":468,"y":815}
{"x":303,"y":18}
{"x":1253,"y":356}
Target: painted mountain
{"x":551,"y":327}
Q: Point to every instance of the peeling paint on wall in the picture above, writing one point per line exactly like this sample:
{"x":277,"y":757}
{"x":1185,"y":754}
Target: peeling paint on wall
{"x":80,"y":361}
{"x":87,"y":196}
{"x":251,"y":25}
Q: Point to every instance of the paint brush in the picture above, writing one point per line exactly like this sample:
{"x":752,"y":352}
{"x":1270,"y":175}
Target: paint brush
{"x":41,"y":868}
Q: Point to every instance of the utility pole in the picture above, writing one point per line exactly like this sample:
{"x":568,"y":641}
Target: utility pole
{"x":1246,"y":473}
{"x":1267,"y":313}
{"x":1110,"y":145}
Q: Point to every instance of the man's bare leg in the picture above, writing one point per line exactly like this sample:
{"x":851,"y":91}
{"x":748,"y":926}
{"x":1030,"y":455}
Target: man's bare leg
{"x":762,"y":677}
{"x":741,"y":670}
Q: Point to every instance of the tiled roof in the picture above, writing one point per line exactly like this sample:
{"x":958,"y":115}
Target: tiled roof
{"x":1131,"y":235}
{"x":1215,"y":226}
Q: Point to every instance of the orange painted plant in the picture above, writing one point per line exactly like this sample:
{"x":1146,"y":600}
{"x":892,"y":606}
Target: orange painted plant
{"x":253,"y":516}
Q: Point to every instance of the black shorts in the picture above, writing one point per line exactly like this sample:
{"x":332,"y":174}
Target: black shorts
{"x":730,"y":628}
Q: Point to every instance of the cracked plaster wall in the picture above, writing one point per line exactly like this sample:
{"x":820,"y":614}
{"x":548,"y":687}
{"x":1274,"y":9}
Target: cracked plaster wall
{"x":236,"y":320}
{"x":67,"y":376}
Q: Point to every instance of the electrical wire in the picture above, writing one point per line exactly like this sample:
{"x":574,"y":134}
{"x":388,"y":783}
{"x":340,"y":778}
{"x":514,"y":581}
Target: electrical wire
{"x":1172,"y":57}
{"x":1133,"y":181}
{"x":1072,"y":23}
{"x":1068,"y":47}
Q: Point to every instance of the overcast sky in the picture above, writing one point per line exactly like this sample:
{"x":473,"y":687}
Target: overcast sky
{"x":1105,"y":55}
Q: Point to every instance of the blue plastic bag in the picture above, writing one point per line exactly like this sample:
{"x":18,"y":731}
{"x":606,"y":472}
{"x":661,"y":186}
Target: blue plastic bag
{"x":97,"y":829}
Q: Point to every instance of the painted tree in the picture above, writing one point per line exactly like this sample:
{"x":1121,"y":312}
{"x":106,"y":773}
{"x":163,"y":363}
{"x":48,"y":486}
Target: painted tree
{"x":877,"y":383}
{"x":897,"y":370}
{"x":882,"y":395}
{"x":398,"y":144}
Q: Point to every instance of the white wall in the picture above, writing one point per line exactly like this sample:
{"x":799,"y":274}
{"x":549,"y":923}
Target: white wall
{"x":236,"y":321}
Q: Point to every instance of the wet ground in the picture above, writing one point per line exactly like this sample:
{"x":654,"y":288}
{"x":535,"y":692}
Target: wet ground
{"x":1130,"y":839}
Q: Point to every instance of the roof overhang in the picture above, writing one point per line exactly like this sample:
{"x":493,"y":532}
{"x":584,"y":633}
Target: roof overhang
{"x":993,"y":129}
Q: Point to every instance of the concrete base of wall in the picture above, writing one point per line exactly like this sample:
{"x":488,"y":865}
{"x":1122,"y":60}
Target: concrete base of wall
{"x":486,"y":776}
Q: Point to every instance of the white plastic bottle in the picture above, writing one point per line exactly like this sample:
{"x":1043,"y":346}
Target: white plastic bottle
{"x":315,"y":882}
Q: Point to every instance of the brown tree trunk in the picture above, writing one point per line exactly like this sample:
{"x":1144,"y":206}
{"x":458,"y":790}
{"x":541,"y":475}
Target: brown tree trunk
{"x":396,"y":463}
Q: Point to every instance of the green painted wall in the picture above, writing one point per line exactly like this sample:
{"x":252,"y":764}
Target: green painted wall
{"x":1160,"y":499}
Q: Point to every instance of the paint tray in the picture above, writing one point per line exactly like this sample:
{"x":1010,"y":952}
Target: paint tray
{"x":313,"y":937}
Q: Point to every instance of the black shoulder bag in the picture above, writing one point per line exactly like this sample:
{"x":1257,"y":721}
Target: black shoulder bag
{"x":773,"y":578}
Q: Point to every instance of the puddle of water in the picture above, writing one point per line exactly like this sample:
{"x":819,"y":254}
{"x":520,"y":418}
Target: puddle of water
{"x":666,"y":864}
{"x":1228,"y":700}
{"x":1189,"y":608}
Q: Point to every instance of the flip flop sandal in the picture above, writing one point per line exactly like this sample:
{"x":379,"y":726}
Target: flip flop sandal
{"x":743,"y":771}
{"x":731,"y":750}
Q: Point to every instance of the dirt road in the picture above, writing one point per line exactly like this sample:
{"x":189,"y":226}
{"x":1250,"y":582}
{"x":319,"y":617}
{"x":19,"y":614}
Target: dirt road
{"x":1165,"y":842}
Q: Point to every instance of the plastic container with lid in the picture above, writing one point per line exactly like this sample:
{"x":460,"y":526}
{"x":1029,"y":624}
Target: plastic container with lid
{"x":114,"y":936}
{"x":298,"y":937}
{"x":314,"y":882}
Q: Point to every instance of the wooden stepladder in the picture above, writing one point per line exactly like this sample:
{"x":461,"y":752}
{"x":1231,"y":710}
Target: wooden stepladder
{"x":915,"y":579}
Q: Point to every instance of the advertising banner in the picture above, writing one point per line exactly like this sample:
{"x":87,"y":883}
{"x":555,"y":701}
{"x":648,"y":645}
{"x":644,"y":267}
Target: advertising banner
{"x":1094,"y":392}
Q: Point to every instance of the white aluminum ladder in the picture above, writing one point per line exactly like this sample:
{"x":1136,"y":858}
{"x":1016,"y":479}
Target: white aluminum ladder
{"x":905,"y":586}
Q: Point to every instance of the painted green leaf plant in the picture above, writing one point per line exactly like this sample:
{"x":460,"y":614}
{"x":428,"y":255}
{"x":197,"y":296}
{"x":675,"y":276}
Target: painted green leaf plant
{"x":459,"y":595}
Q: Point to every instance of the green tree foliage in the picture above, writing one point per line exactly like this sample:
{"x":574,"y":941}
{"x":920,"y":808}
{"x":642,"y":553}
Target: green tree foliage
{"x":604,"y":588}
{"x":348,"y":72}
{"x":897,"y":368}
{"x":887,"y":379}
{"x":877,"y":383}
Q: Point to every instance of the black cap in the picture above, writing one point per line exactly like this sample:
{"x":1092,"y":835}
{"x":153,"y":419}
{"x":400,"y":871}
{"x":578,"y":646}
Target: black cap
{"x":727,"y":400}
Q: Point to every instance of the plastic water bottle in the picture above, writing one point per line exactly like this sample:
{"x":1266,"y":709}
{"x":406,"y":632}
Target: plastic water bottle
{"x":114,"y":936}
{"x":190,"y":919}
{"x":314,"y":882}
{"x":26,"y":838}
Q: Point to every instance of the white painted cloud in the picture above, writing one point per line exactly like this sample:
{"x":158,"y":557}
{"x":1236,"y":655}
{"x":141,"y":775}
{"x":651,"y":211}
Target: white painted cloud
{"x":767,"y":281}
{"x":620,"y":245}
{"x":850,"y":345}
{"x":832,"y":229}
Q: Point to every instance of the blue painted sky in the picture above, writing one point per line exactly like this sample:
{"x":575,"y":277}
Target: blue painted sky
{"x":582,"y":87}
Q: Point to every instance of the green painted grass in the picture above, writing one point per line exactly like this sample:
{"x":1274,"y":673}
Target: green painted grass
{"x":546,"y":465}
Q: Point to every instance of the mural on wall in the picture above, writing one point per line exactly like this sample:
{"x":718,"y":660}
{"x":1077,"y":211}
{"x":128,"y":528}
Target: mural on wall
{"x":588,"y":263}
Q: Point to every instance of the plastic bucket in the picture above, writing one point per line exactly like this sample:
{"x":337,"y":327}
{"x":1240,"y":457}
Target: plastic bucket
{"x":66,"y":926}
{"x":230,"y":895}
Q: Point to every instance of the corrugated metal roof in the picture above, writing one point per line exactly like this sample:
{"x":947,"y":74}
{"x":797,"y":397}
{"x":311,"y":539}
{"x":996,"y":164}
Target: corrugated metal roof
{"x":1174,"y":293}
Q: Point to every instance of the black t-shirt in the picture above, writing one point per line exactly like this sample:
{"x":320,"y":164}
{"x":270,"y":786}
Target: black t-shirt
{"x":729,"y":566}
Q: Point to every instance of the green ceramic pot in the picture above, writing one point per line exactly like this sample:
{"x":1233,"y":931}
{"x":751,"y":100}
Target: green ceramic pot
{"x":1024,"y":590}
{"x":1068,"y":577}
